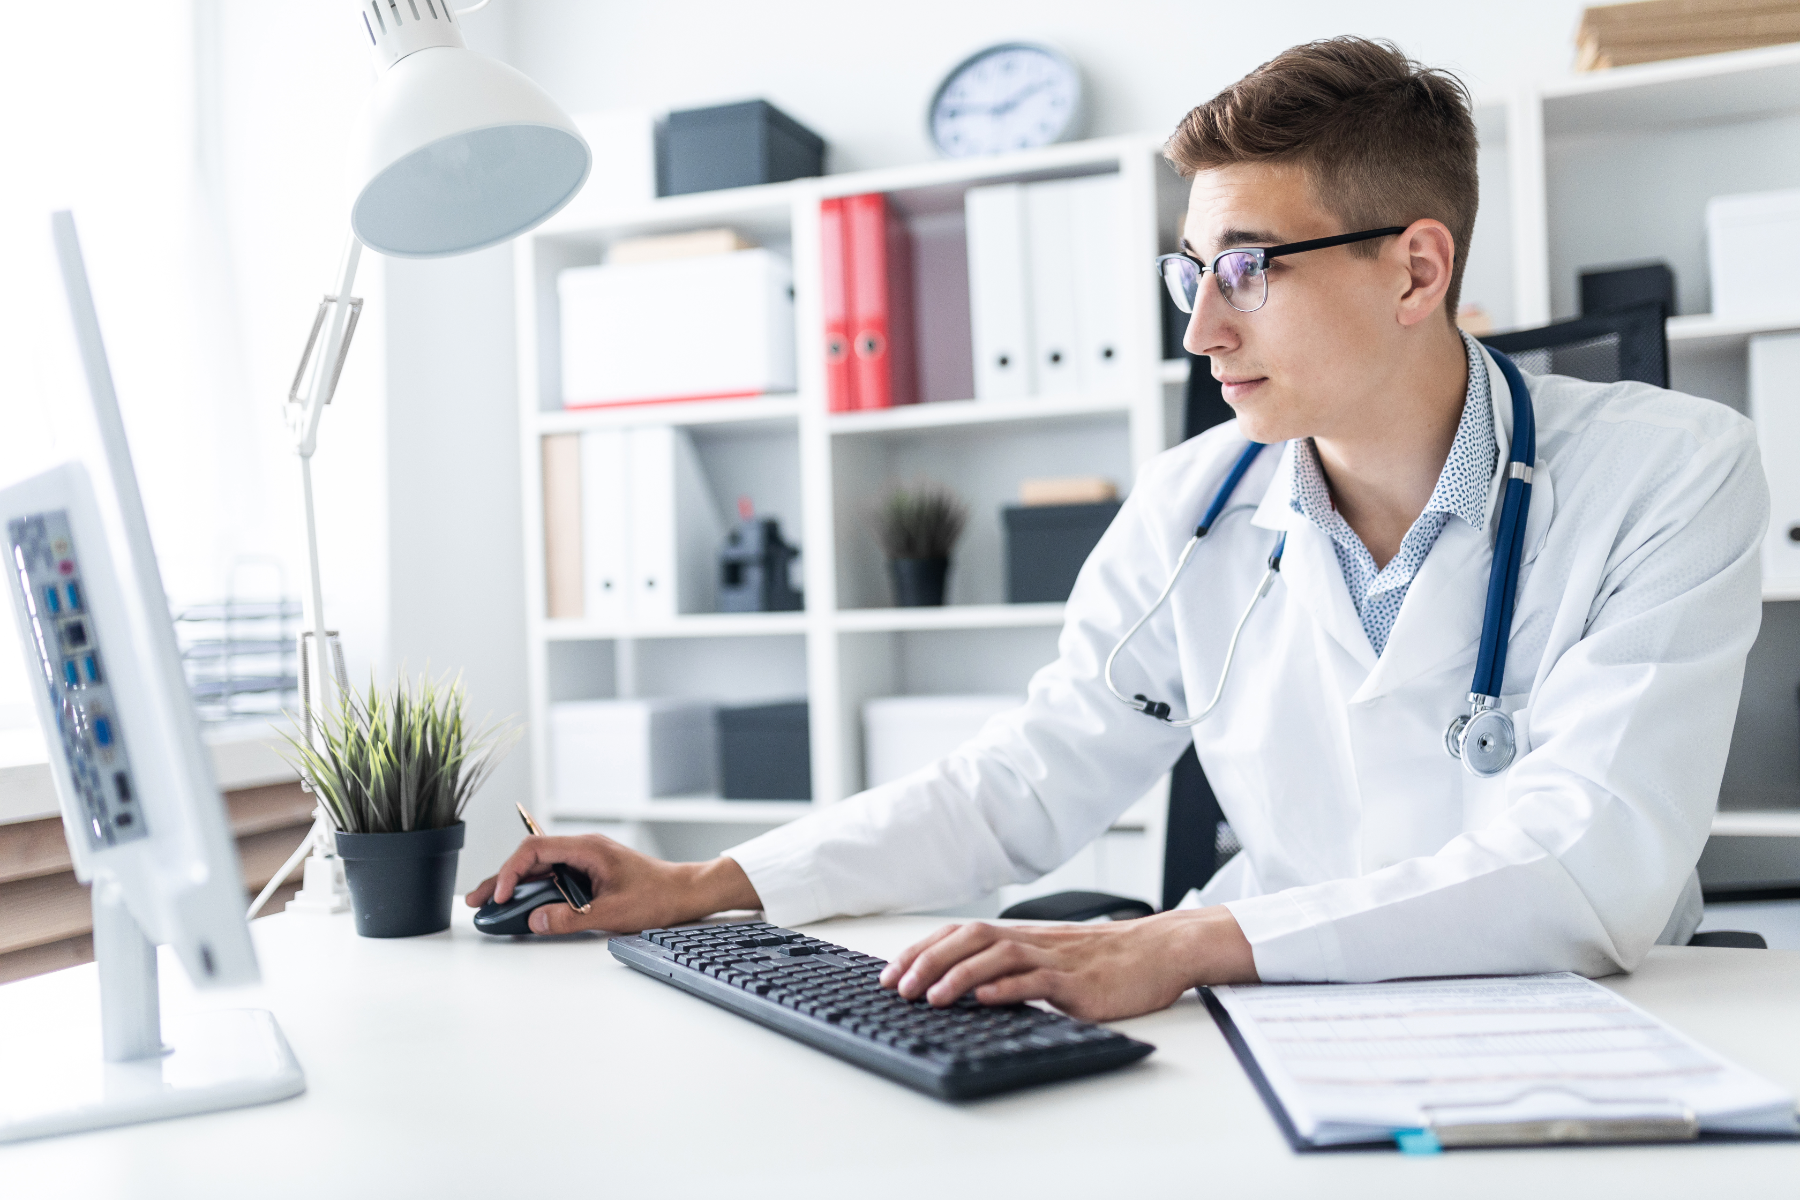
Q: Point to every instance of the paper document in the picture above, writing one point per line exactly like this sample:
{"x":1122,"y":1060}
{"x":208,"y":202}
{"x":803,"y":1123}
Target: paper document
{"x":1357,"y":1062}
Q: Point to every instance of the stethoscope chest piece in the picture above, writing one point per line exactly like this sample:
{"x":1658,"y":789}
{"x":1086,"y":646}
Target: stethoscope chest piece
{"x":1484,"y":740}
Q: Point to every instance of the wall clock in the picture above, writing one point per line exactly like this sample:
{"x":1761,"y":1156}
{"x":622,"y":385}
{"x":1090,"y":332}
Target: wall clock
{"x":1008,"y":97}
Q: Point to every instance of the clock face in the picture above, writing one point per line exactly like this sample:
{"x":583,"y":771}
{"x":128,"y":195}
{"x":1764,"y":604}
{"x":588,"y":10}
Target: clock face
{"x":1009,"y":97}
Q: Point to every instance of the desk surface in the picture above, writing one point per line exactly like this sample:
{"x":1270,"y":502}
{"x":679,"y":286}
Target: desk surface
{"x":460,"y":1065}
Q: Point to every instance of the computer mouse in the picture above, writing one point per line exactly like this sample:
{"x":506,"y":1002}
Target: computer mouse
{"x":514,"y":916}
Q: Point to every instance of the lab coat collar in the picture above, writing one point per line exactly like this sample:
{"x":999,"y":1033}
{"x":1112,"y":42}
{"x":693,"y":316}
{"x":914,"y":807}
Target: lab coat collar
{"x":1441,"y":618}
{"x":1309,"y":565}
{"x":1446,"y":600}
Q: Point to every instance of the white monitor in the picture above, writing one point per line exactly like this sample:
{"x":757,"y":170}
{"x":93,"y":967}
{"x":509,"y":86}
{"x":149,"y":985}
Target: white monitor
{"x":145,"y":822}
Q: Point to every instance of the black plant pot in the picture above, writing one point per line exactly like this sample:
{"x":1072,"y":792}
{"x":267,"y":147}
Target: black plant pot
{"x":919,"y":582}
{"x":401,"y":884}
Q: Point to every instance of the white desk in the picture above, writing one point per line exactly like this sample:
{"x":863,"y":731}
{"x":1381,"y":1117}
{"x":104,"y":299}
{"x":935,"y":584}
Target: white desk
{"x":459,"y":1065}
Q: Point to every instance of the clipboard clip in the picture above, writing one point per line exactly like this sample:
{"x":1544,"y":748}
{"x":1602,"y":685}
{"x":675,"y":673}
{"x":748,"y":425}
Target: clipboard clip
{"x":1677,"y":1123}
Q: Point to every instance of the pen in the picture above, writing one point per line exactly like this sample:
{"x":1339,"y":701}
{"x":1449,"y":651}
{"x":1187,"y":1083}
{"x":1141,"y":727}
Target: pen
{"x":568,"y":882}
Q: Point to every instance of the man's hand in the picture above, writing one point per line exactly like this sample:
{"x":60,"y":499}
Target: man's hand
{"x":1099,"y":972}
{"x":631,"y":891}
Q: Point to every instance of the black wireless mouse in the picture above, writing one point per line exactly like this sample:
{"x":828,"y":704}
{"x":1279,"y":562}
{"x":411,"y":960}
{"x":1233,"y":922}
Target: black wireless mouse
{"x":514,"y":917}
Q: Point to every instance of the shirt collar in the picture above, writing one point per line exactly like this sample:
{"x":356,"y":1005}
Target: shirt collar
{"x":1462,"y":486}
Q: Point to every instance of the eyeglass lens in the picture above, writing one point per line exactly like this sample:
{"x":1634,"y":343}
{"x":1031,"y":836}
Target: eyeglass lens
{"x":1241,"y":280}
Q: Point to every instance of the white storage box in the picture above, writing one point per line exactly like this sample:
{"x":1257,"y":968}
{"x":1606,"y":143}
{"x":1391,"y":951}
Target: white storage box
{"x":717,"y":326}
{"x":1753,"y":248}
{"x":609,"y":753}
{"x":903,"y":733}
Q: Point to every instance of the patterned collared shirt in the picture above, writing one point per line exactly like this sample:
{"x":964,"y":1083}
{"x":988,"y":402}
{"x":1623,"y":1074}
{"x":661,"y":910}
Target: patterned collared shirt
{"x":1461,"y":491}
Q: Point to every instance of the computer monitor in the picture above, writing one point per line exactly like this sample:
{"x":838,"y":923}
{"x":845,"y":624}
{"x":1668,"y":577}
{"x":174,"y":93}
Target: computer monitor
{"x":145,"y":822}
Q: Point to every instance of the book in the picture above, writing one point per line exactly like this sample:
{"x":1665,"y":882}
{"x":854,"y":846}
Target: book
{"x":695,"y":243}
{"x":1617,"y":35}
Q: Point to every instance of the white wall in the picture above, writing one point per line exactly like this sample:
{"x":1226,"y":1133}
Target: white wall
{"x":860,"y":73}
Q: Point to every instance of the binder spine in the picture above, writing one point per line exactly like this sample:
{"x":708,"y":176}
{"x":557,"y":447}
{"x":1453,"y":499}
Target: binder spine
{"x":999,"y":291}
{"x":834,"y":266}
{"x":880,"y":294}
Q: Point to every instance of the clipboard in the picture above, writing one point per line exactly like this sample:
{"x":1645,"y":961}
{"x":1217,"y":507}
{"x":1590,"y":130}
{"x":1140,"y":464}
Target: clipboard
{"x":1501,"y":1135}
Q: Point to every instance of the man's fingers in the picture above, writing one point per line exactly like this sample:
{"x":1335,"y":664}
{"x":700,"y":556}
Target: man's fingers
{"x":484,"y":891}
{"x":560,"y":918}
{"x":1004,"y":957}
{"x":890,"y":974}
{"x":959,"y":943}
{"x":1038,"y":984}
{"x":533,"y":857}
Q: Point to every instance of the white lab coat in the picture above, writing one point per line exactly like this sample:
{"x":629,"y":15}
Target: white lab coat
{"x":1368,"y":852}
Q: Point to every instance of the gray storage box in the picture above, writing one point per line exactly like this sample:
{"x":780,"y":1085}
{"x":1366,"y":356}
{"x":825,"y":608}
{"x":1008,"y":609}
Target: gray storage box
{"x":765,"y":752}
{"x":1046,"y":545}
{"x":734,"y":145}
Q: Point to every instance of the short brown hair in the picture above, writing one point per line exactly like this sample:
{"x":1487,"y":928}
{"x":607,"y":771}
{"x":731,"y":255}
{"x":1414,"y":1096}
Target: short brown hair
{"x":1385,"y":140}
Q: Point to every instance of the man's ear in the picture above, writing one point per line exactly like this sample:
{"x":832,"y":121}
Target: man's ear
{"x":1430,"y":254}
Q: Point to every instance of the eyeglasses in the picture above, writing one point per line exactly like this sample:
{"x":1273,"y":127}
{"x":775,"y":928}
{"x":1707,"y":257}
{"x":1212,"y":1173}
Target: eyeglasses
{"x":1243,"y":273}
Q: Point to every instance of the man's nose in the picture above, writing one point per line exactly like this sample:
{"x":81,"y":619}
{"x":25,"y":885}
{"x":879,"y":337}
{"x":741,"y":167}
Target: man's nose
{"x":1212,"y":327}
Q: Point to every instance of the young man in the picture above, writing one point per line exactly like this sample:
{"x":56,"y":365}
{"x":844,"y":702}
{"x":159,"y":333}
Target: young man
{"x":1369,"y":852}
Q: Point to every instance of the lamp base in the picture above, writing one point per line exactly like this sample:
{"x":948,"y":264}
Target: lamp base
{"x":217,"y":1060}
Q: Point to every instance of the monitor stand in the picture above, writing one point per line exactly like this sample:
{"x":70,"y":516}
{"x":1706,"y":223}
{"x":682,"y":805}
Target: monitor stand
{"x":217,"y":1059}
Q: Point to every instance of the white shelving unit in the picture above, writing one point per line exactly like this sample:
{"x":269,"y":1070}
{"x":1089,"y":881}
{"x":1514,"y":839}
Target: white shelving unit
{"x":1605,"y":169}
{"x":821,"y":473}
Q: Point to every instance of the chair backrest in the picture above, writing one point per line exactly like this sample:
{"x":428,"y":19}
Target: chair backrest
{"x":1629,"y":343}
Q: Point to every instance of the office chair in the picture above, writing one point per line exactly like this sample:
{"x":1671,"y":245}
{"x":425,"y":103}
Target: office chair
{"x":1626,"y":344}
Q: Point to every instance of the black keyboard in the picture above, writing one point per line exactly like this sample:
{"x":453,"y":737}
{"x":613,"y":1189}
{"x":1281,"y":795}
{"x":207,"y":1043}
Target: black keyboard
{"x":831,"y":999}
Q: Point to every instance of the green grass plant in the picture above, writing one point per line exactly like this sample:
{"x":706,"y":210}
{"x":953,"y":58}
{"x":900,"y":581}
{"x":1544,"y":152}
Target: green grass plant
{"x":401,"y":760}
{"x":920,"y":520}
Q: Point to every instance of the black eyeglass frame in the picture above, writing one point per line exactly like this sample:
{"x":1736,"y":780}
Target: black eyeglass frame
{"x":1262,"y":255}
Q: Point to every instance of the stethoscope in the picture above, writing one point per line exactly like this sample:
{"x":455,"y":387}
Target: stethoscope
{"x":1483,"y":738}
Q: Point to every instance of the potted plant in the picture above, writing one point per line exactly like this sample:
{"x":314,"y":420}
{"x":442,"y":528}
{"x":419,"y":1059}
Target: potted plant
{"x":917,"y":526}
{"x":395,"y":772}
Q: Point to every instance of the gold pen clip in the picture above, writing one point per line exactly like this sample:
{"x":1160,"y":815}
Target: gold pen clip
{"x":556,"y":869}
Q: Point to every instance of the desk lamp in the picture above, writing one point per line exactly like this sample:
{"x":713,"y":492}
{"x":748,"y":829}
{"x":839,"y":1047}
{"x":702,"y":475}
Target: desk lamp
{"x":456,"y":153}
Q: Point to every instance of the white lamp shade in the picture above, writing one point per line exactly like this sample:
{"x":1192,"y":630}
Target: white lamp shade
{"x":461,"y":152}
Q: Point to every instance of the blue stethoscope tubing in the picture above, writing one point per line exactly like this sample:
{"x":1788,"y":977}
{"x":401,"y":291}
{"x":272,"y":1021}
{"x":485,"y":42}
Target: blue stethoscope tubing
{"x":1483,"y":738}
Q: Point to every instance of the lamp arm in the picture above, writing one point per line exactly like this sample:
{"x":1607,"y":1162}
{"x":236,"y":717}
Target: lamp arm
{"x":337,"y":316}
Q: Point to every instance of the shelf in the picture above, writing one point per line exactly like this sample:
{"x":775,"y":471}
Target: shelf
{"x":952,"y":414}
{"x":1704,"y":331}
{"x":1763,"y":823}
{"x":761,"y":210}
{"x":694,"y":810}
{"x":1687,"y":92}
{"x":952,"y":616}
{"x":774,"y":624}
{"x":755,"y":410}
{"x":952,"y":174}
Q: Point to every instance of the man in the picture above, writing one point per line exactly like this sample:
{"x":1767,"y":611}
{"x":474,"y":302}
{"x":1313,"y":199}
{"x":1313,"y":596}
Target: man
{"x":1369,"y":852}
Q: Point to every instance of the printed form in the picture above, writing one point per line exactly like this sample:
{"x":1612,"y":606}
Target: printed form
{"x":1359,"y":1062}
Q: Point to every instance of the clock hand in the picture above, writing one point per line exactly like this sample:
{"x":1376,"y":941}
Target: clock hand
{"x":1007,"y":106}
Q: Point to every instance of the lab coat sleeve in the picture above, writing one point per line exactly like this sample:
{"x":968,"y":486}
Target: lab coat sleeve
{"x":1036,"y":784}
{"x":1607,"y":813}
